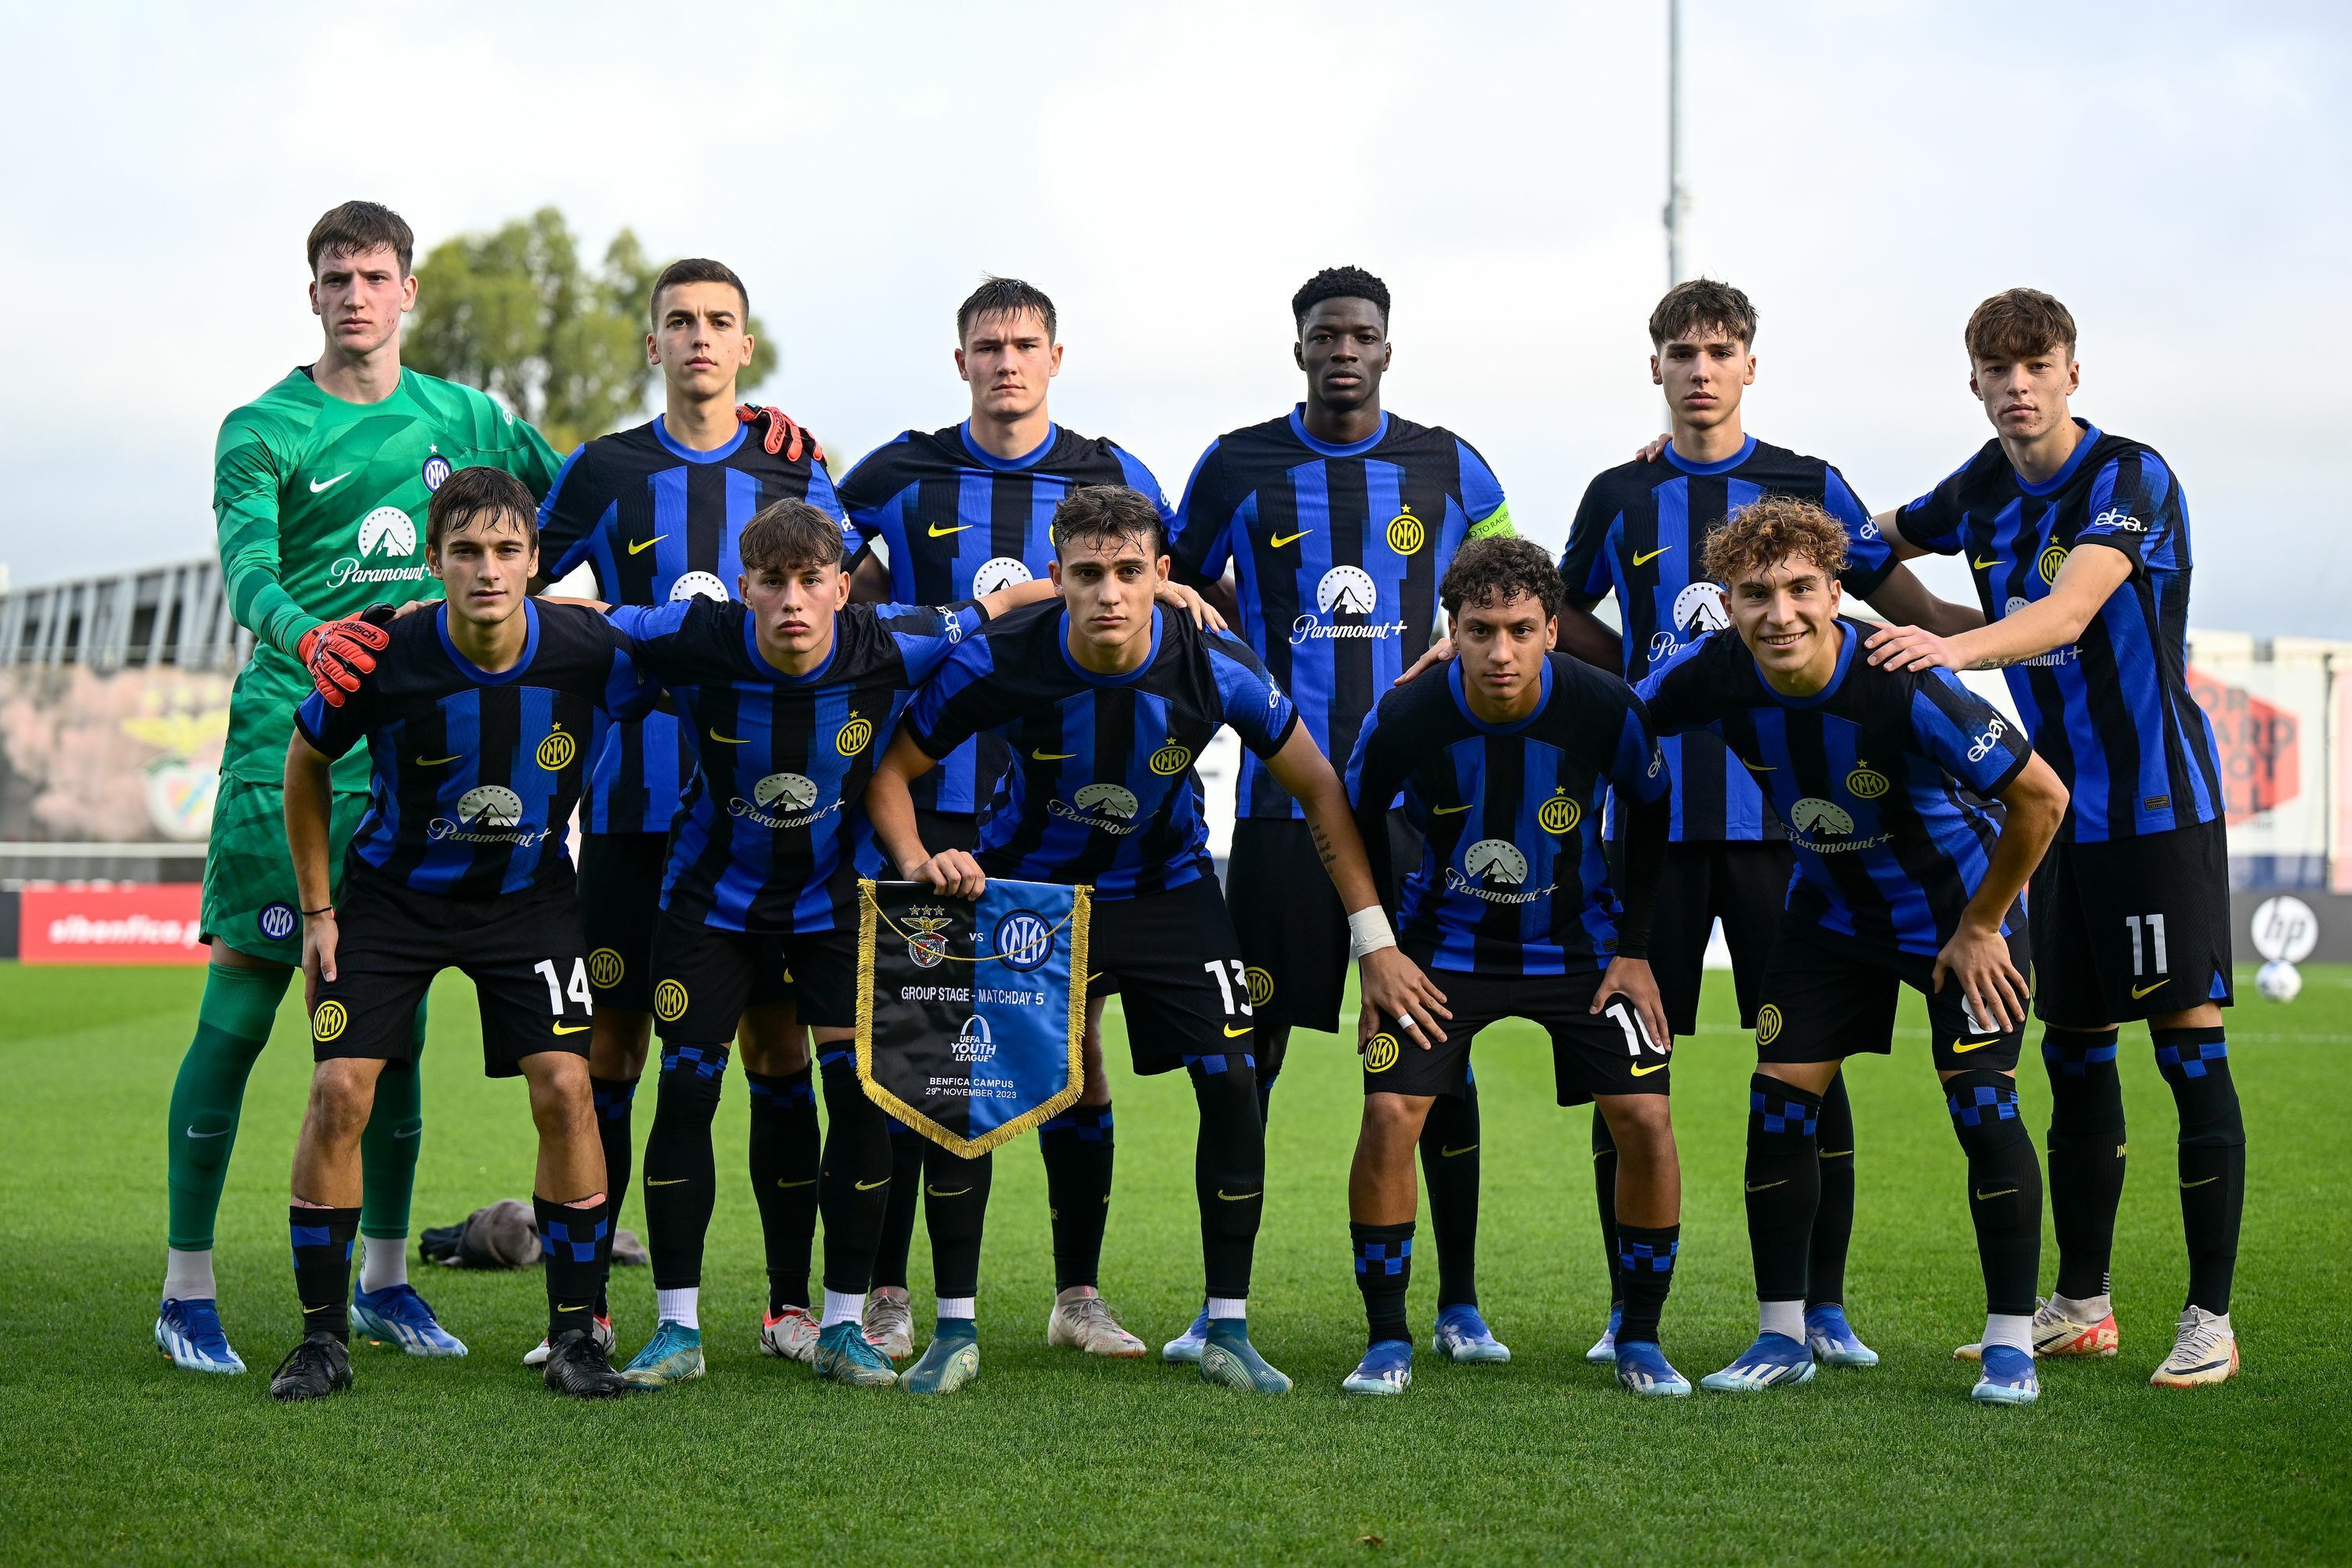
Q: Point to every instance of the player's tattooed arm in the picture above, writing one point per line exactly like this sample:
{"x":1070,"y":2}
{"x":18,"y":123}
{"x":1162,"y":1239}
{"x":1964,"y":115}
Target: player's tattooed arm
{"x":308,"y":782}
{"x":2083,"y":587}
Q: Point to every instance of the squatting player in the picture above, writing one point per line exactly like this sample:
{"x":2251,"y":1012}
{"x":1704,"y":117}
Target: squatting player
{"x":1106,"y":700}
{"x":654,"y":511}
{"x":2131,"y":911}
{"x":1899,"y":881}
{"x":475,"y":718}
{"x":317,"y":486}
{"x":960,"y":512}
{"x":1337,"y":519}
{"x":1505,"y":758}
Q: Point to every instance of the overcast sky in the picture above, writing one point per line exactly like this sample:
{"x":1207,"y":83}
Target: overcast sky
{"x":2178,"y":173}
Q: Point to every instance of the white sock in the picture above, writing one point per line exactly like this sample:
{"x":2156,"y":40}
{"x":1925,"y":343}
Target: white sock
{"x":683,"y":1307}
{"x":1783,"y":1318}
{"x":383,"y":1262}
{"x":2089,"y":1310}
{"x":842,"y":1307}
{"x":188,"y":1276}
{"x":1234,"y":1307}
{"x":2013,"y":1330}
{"x":958,"y":1307}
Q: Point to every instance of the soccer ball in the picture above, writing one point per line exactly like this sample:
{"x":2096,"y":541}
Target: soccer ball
{"x":2279,"y":980}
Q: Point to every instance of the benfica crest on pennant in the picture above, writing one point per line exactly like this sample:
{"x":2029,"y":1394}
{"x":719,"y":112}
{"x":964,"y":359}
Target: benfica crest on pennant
{"x":970,"y":1012}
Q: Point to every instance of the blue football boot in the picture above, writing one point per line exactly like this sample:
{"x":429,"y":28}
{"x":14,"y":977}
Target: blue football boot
{"x":950,"y":1360}
{"x":1642,"y":1368}
{"x":1186,"y":1346}
{"x":1774,"y":1361}
{"x":397,"y":1315}
{"x":845,"y":1355}
{"x":1604,"y":1348}
{"x":1230,"y":1360}
{"x":1463,"y":1338}
{"x":673,"y":1355}
{"x":189,"y":1332}
{"x":2007,"y":1378}
{"x":1832,"y":1340}
{"x":1387,"y":1368}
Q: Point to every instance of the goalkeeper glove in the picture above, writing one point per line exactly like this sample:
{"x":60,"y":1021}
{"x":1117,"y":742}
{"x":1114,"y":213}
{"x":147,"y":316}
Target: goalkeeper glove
{"x":337,"y":653}
{"x":783,"y":435}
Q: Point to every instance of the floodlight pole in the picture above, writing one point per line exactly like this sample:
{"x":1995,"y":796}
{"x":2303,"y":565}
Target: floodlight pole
{"x":1678,"y":193}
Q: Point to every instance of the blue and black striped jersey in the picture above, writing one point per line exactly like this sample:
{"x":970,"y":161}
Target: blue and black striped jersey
{"x":770,"y":838}
{"x":1866,"y":774}
{"x":474,"y":775}
{"x":1336,"y":554}
{"x":2113,"y":713}
{"x":1639,"y":534}
{"x":658,"y":520}
{"x":958,"y":523}
{"x":1101,"y":788}
{"x":1515,"y":879}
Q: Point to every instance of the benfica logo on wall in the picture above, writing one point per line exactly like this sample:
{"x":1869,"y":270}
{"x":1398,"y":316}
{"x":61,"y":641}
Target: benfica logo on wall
{"x":970,"y":1012}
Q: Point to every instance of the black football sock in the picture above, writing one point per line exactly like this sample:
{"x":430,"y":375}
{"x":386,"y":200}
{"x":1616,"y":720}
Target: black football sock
{"x":1784,"y":1184}
{"x":2196,"y":1065}
{"x":572,"y":1242}
{"x":2004,"y":1187}
{"x":1604,"y":1193}
{"x":906,"y":1147}
{"x":1449,"y":1163}
{"x":1228,"y":1169}
{"x":322,"y":1267}
{"x":681,"y":1173}
{"x":614,"y":1097}
{"x":955,"y":1211}
{"x":1834,"y":1217}
{"x":1645,"y":1261}
{"x":1383,"y":1273}
{"x":853,"y":1185}
{"x":2086,"y":1155}
{"x":1271,"y":1046}
{"x":1078,"y":1150}
{"x":784,"y":1146}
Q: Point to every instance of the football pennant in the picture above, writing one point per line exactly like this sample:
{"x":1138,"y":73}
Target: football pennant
{"x":970,"y":1012}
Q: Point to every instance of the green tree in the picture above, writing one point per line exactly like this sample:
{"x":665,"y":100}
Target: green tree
{"x":516,"y":313}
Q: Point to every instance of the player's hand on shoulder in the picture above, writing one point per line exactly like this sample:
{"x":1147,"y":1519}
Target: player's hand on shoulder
{"x":337,"y":652}
{"x":1437,"y":652}
{"x":1655,"y":449}
{"x":951,"y":871}
{"x":1632,"y":979}
{"x":1177,"y":596}
{"x":1395,"y":985}
{"x":1978,"y":960}
{"x":785,"y":437}
{"x":1910,"y":648}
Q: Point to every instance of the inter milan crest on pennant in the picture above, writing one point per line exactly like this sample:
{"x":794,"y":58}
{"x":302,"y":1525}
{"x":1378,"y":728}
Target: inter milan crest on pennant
{"x":970,"y":1012}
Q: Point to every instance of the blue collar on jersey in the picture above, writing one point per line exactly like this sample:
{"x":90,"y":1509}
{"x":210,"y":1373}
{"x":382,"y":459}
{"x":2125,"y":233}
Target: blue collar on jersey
{"x":679,"y":448}
{"x":2066,"y":470}
{"x":1747,"y":451}
{"x":1462,"y":701}
{"x":1850,"y":636}
{"x":1325,"y":448}
{"x":1131,"y":677}
{"x":1028,"y":460}
{"x":475,"y":673}
{"x":752,"y":647}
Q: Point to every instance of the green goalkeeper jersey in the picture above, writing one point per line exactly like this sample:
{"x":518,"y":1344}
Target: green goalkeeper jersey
{"x":320,"y":506}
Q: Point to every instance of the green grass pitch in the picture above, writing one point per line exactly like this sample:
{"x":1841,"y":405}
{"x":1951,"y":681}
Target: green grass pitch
{"x":109,"y":1455}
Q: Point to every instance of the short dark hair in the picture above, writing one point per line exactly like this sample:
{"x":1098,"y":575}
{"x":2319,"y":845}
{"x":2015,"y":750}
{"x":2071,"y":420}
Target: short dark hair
{"x":1778,"y":527}
{"x":1496,"y":571}
{"x":695,"y":269}
{"x":1004,"y":296}
{"x":1702,"y":302}
{"x":1340,"y":283}
{"x":2019,"y":323}
{"x":358,"y":228}
{"x":1094,"y":514}
{"x":787,"y":535}
{"x":471,"y":493}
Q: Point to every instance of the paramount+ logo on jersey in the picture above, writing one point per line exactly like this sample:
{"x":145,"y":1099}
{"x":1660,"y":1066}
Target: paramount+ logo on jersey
{"x":1346,"y":598}
{"x":387,"y":549}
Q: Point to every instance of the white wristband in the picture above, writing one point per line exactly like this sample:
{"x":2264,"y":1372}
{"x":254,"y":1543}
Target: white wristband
{"x":1369,"y":931}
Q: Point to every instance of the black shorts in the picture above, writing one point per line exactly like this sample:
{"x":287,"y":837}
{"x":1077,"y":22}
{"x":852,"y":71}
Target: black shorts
{"x":1175,"y":963}
{"x":523,"y":951}
{"x":2131,"y":928}
{"x":620,"y":902}
{"x":1745,"y":886}
{"x":1607,"y":1052}
{"x":1293,"y":931}
{"x":1828,"y":997}
{"x":704,"y":977}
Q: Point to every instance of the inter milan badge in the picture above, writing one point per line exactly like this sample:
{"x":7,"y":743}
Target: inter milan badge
{"x":276,"y":921}
{"x":1023,"y":940}
{"x":436,"y":471}
{"x":926,"y":939}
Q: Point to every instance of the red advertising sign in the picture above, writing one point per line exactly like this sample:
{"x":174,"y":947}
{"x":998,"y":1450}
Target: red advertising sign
{"x":2261,"y":766}
{"x":126,"y":924}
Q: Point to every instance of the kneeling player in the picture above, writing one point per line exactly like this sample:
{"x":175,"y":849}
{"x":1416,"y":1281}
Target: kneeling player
{"x":1506,"y":756}
{"x":1898,"y":882}
{"x":1106,"y":701}
{"x":476,"y":718}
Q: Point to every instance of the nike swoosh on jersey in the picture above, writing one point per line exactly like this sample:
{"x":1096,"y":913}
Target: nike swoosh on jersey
{"x":1642,"y":559}
{"x":938,"y":532}
{"x":731,"y":740}
{"x":639,"y":546}
{"x":1984,"y":566}
{"x":1767,"y":1186}
{"x":571,"y":1028}
{"x":319,"y":487}
{"x":436,"y":761}
{"x":1984,"y":1197}
{"x":1962,"y":1047}
{"x":1760,"y":767}
{"x":1276,"y":540}
{"x":1233,"y":1034}
{"x":1448,"y":810}
{"x":2140,"y":991}
{"x":869,"y":1186}
{"x":1646,"y":1071}
{"x":1052,"y":756}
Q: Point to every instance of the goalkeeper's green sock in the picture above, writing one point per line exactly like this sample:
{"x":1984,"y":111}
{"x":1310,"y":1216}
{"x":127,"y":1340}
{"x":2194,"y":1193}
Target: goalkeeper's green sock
{"x":232,"y":1027}
{"x":388,"y":1147}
